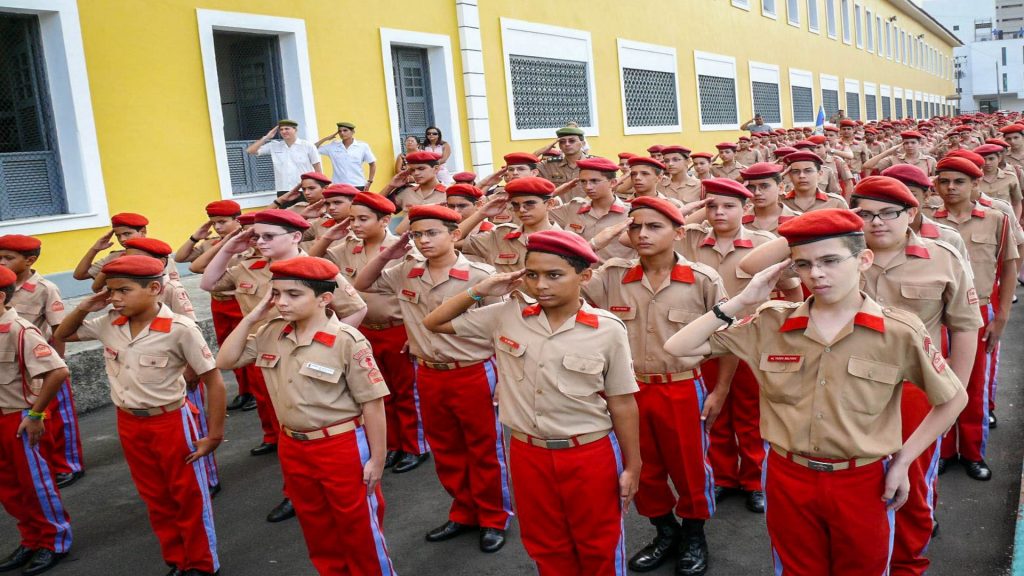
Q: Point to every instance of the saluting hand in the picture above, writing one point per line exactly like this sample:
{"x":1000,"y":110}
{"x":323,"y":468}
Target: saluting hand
{"x":400,"y":179}
{"x":203,"y":232}
{"x":34,"y":428}
{"x":606,"y":236}
{"x":339,"y":230}
{"x":567,"y":186}
{"x":312,"y":210}
{"x":104,"y":242}
{"x":493,"y":178}
{"x":762,"y":284}
{"x":263,"y":310}
{"x":96,"y":302}
{"x":398,"y":249}
{"x":495,"y":206}
{"x":291,"y":195}
{"x":691,"y":207}
{"x":500,"y":284}
{"x":238,"y":242}
{"x":271,"y":134}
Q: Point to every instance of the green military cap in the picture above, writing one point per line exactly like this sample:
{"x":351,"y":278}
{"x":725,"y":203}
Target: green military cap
{"x":348,"y":125}
{"x":569,"y":131}
{"x":287,"y":122}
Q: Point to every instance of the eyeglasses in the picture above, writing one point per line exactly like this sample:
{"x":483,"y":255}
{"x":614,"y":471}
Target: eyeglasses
{"x":432,"y":233}
{"x":825,"y":264}
{"x":869,"y":217}
{"x":433,"y":133}
{"x":528,"y":205}
{"x":267,"y":237}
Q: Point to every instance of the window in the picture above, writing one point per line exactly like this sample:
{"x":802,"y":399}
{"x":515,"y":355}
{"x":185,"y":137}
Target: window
{"x":764,"y":89}
{"x":886,"y":93}
{"x":812,"y":16}
{"x":869,"y":27}
{"x":870,"y":102}
{"x":878,"y":36}
{"x":918,"y":109}
{"x":830,"y":18}
{"x":896,"y":35}
{"x":549,"y":79}
{"x":650,"y":97}
{"x":844,"y":15}
{"x":50,"y":177}
{"x":716,"y":91}
{"x":858,"y":25}
{"x":744,"y":4}
{"x":768,"y":8}
{"x":898,"y":101}
{"x":1005,"y":85}
{"x":829,"y":94}
{"x":888,"y":41}
{"x":801,"y":89}
{"x":793,"y":12}
{"x":853,"y":99}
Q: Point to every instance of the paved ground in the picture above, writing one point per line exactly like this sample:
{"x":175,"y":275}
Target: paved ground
{"x":112,"y":534}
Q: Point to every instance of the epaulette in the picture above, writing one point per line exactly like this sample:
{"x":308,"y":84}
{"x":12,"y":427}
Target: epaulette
{"x":619,"y":263}
{"x":506,"y":227}
{"x":606,"y":315}
{"x":704,"y":269}
{"x":761,"y":233}
{"x":777,"y":305}
{"x":483,"y":267}
{"x":907,"y":318}
{"x":835,"y":196}
{"x":947,"y":246}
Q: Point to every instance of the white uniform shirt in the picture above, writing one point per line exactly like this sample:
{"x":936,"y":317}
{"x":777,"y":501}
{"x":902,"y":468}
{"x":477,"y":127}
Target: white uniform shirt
{"x":290,"y":162}
{"x":348,"y":162}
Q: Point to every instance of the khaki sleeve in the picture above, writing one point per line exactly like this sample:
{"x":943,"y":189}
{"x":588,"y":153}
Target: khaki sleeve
{"x":1015,"y":190}
{"x":1008,"y":250}
{"x":389,"y":281}
{"x":193,"y":347}
{"x":97,"y":265}
{"x":618,"y":377}
{"x":228,"y":281}
{"x":346,"y":300}
{"x":38,"y":355}
{"x":249,"y":352}
{"x":54,"y":306}
{"x":362,"y":375}
{"x":961,"y":312}
{"x":90,"y":328}
{"x":560,"y":214}
{"x":482,"y":245}
{"x":883,"y":164}
{"x":482,"y":322}
{"x":714,"y":292}
{"x":197,"y":250}
{"x":180,"y":303}
{"x":740,"y":340}
{"x":925,"y":367}
{"x":596,"y":290}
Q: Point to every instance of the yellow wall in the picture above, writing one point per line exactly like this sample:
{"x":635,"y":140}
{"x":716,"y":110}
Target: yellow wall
{"x":151,"y":113}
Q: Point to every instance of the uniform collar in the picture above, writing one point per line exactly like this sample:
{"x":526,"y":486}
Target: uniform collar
{"x":161,"y":323}
{"x":31,"y":284}
{"x":584,"y":315}
{"x":459,"y":270}
{"x":6,"y":319}
{"x":259,"y":264}
{"x":740,"y":241}
{"x":869,"y":316}
{"x":617,"y":207}
{"x":680,"y":273}
{"x":915,"y":247}
{"x":984,"y":200}
{"x":327,"y":336}
{"x":976,"y":212}
{"x":929,"y":229}
{"x":818,"y":195}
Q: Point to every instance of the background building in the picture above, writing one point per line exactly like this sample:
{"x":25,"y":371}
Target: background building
{"x":109,"y":106}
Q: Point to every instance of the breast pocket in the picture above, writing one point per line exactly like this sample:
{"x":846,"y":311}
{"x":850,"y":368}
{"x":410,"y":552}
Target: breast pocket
{"x":985,"y":247}
{"x":921,"y":291}
{"x":28,"y":311}
{"x":322,"y":372}
{"x":683,"y":316}
{"x":152,"y":368}
{"x":247,"y":288}
{"x":583,"y":375}
{"x":871,"y":386}
{"x":513,"y":355}
{"x":110,"y":359}
{"x":783,"y":381}
{"x":7,"y":356}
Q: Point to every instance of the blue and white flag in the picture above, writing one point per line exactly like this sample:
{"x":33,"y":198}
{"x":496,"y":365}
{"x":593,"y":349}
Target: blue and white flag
{"x":819,"y":122}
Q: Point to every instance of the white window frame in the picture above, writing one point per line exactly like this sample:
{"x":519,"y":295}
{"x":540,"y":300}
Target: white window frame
{"x":831,"y":23}
{"x":742,"y":4}
{"x":829,"y":82}
{"x":524,"y":38}
{"x":813,"y":24}
{"x":803,"y":79}
{"x":858,"y":25}
{"x":73,"y":120}
{"x":653,"y":57}
{"x":298,"y":84}
{"x":918,"y":96}
{"x":715,"y":65}
{"x":870,"y":89}
{"x":878,"y":36}
{"x":855,"y":85}
{"x":869,"y":30}
{"x":888,"y":40}
{"x":897,"y":33}
{"x":773,"y":13}
{"x":844,"y":22}
{"x":793,"y":16}
{"x":897,"y":94}
{"x":884,"y":91}
{"x":767,"y":73}
{"x":909,"y":93}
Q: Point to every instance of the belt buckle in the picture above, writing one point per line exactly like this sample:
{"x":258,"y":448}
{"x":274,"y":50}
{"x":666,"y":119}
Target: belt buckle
{"x":299,"y":436}
{"x":559,"y":444}
{"x":656,"y":379}
{"x":140,"y":413}
{"x":820,"y":466}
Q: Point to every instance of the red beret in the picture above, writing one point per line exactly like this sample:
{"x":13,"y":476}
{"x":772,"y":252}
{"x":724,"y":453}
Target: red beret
{"x":761,"y":170}
{"x":422,"y":157}
{"x":626,"y":155}
{"x":335,"y":190}
{"x":7,"y":278}
{"x":530,"y":186}
{"x":870,"y":130}
{"x":223,"y":208}
{"x":521,"y":158}
{"x":654,"y":148}
{"x":668,"y":209}
{"x":725,"y":187}
{"x":726,"y":146}
{"x":986,"y":149}
{"x":133,"y":266}
{"x":998,"y":142}
{"x":375,"y":202}
{"x":247,"y":219}
{"x":321,"y":178}
{"x":973,"y":157}
{"x":816,"y":140}
{"x":957,"y":164}
{"x":562,"y":243}
{"x":553,"y":153}
{"x":675,"y":149}
{"x":464,"y":190}
{"x":1011,"y":129}
{"x":598,"y":164}
{"x":886,"y":189}
{"x":467,"y":177}
{"x":847,"y":123}
{"x":821,"y":225}
{"x":804,"y":145}
{"x":281,"y":218}
{"x":19,"y":243}
{"x":962,"y":129}
{"x":802,"y":156}
{"x":304,"y":268}
{"x":910,"y":134}
{"x":704,"y":155}
{"x":783,"y":151}
{"x":908,"y":174}
{"x":831,"y":128}
{"x":434,"y":212}
{"x":157,"y":248}
{"x":129,"y":219}
{"x":645,"y":160}
{"x":743,"y":139}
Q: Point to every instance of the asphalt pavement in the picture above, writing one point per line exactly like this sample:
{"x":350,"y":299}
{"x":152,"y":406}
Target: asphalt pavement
{"x":112,"y":536}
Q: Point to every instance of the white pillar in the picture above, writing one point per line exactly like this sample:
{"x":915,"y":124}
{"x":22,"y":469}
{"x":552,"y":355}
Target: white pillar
{"x":471,"y":47}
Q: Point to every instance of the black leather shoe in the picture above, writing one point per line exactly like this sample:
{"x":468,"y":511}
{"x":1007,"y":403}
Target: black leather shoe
{"x":993,"y":422}
{"x":755,"y":501}
{"x":978,"y":470}
{"x":693,"y":550}
{"x":281,"y":512}
{"x":249,"y":405}
{"x":723,"y":492}
{"x":42,"y":561}
{"x":392,"y":457}
{"x":214,"y":490}
{"x":67,"y":479}
{"x":665,"y":544}
{"x":447,"y":531}
{"x":175,"y":571}
{"x":409,"y":462}
{"x":238,"y":401}
{"x":945,"y":463}
{"x":264,"y":448}
{"x":491,"y":539}
{"x":194,"y":572}
{"x":16,"y":559}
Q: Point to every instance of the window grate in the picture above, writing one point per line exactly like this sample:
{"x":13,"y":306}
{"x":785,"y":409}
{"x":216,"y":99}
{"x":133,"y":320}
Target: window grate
{"x":886,"y":107}
{"x":717,"y":96}
{"x":766,"y":101}
{"x":830,"y":100}
{"x":918,"y":108}
{"x":870,"y":107}
{"x":899,"y":109}
{"x":650,"y":98}
{"x":803,"y":104}
{"x":853,"y":105}
{"x":549,"y":93}
{"x":910,"y":108}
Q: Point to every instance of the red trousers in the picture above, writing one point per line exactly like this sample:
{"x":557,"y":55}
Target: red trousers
{"x":914,"y":521}
{"x":402,"y":406}
{"x":832,"y":523}
{"x":341,"y":522}
{"x":570,"y":515}
{"x":62,"y":444}
{"x":226,"y":316}
{"x":674,"y":444}
{"x":28,"y":490}
{"x":176,"y":493}
{"x":462,"y":427}
{"x":737,"y":450}
{"x":969,"y":436}
{"x":197,"y":397}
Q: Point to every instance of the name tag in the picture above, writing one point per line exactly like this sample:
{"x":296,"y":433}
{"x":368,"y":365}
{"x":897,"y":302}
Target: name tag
{"x":576,"y":226}
{"x":784,"y":358}
{"x":621,"y":308}
{"x":509,"y":342}
{"x":245,"y":285}
{"x":409,"y":293}
{"x":319,"y":368}
{"x":269,"y":357}
{"x":507,"y":255}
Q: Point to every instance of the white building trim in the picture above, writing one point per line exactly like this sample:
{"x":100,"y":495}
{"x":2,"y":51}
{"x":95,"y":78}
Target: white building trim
{"x":653,"y":57}
{"x":804,"y":79}
{"x":710,"y":64}
{"x":768,"y":74}
{"x":477,"y":116}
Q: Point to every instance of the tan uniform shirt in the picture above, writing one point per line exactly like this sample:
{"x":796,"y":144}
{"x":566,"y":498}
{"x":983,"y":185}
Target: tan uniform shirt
{"x":38,"y":301}
{"x":146,"y":371}
{"x":1016,"y":232}
{"x":419,"y":294}
{"x":175,"y":296}
{"x":580,"y":217}
{"x":504,"y":247}
{"x":559,"y":172}
{"x":350,"y":256}
{"x":838,"y":399}
{"x":986,"y":233}
{"x":1013,"y":159}
{"x":924,"y":162}
{"x":688,"y":191}
{"x":1003,"y":185}
{"x":97,"y":266}
{"x":413,"y":196}
{"x":38,"y":357}
{"x":699,"y":244}
{"x":317,"y":381}
{"x":749,"y":157}
{"x":554,"y":380}
{"x":750,"y":220}
{"x":731,"y":171}
{"x":828,"y":179}
{"x":821,"y":200}
{"x":860,"y":154}
{"x":203,"y":247}
{"x":932,"y":230}
{"x":654,"y":313}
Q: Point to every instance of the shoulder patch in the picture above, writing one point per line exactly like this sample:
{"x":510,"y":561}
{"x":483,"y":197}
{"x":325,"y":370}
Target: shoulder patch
{"x":42,"y":351}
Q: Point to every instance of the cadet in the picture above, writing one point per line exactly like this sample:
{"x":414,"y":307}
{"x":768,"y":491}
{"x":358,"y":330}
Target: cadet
{"x":571,"y":142}
{"x":329,"y":397}
{"x":306,"y":195}
{"x":30,"y":378}
{"x":425,"y":189}
{"x":986,"y":232}
{"x":147,"y":347}
{"x":174,"y":295}
{"x":1001,"y":184}
{"x":645,"y":174}
{"x":767,"y":211}
{"x":383,"y":326}
{"x":681,"y":186}
{"x":701,"y":165}
{"x":911,"y":148}
{"x":455,"y":377}
{"x":804,"y":169}
{"x":654,"y":296}
{"x":465,"y":199}
{"x":567,"y":399}
{"x":122,"y":227}
{"x":831,"y":377}
{"x":729,"y":168}
{"x":39,"y":301}
{"x":745,"y":153}
{"x":599,"y":210}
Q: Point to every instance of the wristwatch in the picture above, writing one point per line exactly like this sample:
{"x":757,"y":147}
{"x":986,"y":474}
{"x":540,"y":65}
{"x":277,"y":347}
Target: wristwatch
{"x":717,"y":309}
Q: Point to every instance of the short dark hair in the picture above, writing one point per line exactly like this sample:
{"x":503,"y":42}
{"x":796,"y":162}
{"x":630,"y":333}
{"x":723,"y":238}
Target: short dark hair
{"x":855,"y":243}
{"x":144,"y":282}
{"x":29,"y":253}
{"x":578,"y":264}
{"x":855,"y":201}
{"x":319,"y":286}
{"x":8,"y":292}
